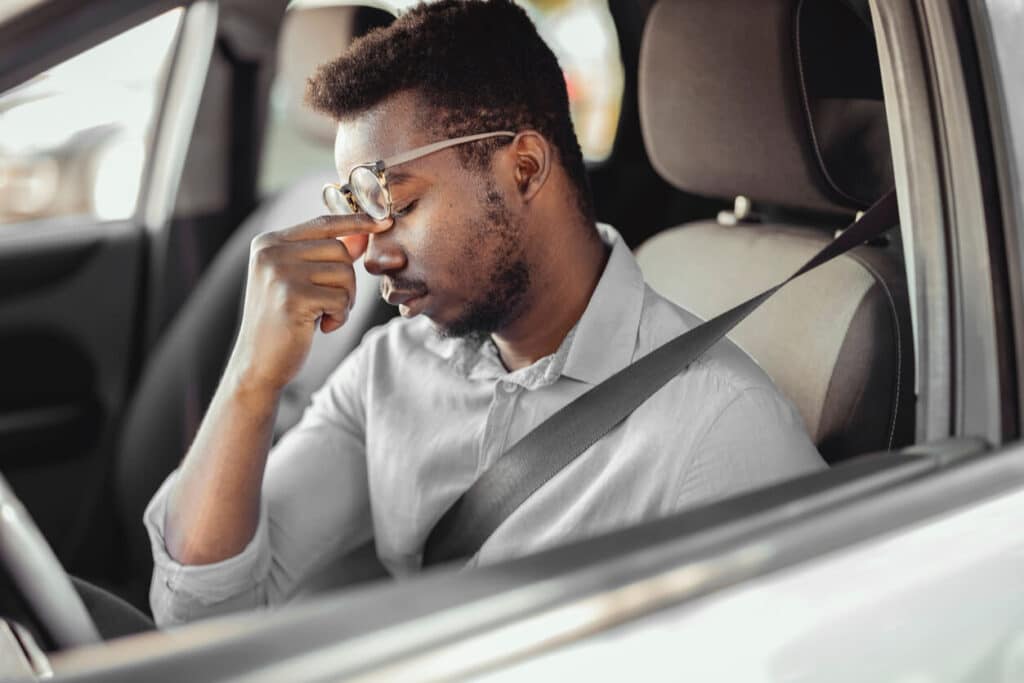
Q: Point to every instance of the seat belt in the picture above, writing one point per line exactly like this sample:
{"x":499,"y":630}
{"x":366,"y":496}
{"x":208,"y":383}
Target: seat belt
{"x":557,"y":441}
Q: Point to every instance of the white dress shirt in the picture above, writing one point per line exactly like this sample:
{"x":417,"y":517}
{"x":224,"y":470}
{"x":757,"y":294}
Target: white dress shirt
{"x":410,"y":420}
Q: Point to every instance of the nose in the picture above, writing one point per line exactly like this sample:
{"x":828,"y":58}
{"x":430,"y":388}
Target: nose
{"x":383,"y":254}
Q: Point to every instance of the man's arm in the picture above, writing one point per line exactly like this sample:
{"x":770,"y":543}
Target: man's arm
{"x":298,"y":278}
{"x":756,"y":439}
{"x":314,"y":507}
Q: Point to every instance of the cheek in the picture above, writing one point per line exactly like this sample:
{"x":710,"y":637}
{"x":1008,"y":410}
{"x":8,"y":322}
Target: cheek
{"x":440,"y":240}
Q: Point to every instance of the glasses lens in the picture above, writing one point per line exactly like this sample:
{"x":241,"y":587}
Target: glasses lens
{"x":369,"y":192}
{"x":335,"y":201}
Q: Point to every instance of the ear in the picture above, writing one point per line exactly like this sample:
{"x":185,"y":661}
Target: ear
{"x":532,"y":154}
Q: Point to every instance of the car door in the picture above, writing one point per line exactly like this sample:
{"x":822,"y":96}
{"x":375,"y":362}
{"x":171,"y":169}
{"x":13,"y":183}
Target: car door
{"x":92,"y":111}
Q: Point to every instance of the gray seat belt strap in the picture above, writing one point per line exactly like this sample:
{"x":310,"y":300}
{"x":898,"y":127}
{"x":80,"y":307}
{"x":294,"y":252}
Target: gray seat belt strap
{"x":557,"y":441}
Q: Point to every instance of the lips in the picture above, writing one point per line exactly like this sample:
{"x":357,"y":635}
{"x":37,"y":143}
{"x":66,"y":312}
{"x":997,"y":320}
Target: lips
{"x":397,"y":297}
{"x":409,"y":303}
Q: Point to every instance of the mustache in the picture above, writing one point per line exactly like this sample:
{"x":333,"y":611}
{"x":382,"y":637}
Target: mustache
{"x":402,"y":284}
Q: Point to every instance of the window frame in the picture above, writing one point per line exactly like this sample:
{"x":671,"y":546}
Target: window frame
{"x":935,"y":150}
{"x":998,"y":41}
{"x":53,"y":32}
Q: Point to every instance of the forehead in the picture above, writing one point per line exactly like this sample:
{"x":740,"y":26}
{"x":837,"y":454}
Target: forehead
{"x":391,"y":127}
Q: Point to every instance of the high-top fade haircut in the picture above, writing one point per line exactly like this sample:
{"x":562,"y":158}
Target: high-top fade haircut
{"x":480,"y":65}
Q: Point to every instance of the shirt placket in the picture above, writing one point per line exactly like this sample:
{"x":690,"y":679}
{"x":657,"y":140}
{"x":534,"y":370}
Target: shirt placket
{"x":500,"y":415}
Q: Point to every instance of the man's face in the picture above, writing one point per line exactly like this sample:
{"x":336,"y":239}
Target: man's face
{"x":456,"y":250}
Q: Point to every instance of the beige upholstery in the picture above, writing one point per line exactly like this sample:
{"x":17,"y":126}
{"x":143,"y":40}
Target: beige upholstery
{"x":808,"y":336}
{"x":780,"y":101}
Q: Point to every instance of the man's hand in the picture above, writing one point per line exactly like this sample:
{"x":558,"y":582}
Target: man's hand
{"x":297,"y":277}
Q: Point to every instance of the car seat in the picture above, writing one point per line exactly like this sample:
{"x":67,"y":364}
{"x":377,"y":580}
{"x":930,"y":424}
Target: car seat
{"x":778,"y":104}
{"x":184,"y":368}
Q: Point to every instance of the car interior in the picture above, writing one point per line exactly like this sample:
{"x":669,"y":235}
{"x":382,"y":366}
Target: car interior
{"x":749,"y":134}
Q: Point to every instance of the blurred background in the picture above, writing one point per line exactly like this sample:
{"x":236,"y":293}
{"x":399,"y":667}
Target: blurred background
{"x":73,"y":140}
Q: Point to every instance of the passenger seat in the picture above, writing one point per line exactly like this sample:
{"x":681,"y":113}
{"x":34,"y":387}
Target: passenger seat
{"x":779,"y":103}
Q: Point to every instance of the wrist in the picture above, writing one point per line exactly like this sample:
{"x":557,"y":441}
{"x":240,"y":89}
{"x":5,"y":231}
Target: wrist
{"x":249,"y":386}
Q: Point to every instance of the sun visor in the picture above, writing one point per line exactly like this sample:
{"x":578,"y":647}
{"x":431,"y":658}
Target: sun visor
{"x":776,"y":100}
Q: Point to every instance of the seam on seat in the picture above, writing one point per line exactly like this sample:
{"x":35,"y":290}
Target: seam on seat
{"x":899,"y":342}
{"x":805,"y":98}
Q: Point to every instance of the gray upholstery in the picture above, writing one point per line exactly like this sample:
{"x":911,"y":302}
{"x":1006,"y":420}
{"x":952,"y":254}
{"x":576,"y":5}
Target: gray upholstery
{"x":183,"y":370}
{"x":726,"y":110}
{"x":737,"y":98}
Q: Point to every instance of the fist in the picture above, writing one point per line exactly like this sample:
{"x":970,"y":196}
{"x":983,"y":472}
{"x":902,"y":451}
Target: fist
{"x":298,"y":278}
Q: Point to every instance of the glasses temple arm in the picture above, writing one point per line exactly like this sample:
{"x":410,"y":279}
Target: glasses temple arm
{"x":438,"y":146}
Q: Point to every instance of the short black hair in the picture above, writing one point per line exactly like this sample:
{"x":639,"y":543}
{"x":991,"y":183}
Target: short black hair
{"x":479,"y":64}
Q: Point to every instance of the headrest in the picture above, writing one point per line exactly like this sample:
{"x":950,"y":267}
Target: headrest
{"x":310,"y":36}
{"x":776,"y":100}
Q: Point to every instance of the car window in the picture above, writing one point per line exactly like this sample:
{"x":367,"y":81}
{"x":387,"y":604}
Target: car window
{"x":581,"y":33}
{"x":73,"y":140}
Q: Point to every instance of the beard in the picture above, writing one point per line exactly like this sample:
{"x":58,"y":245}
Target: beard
{"x":498,"y":307}
{"x":496,"y":270}
{"x":503,"y":286}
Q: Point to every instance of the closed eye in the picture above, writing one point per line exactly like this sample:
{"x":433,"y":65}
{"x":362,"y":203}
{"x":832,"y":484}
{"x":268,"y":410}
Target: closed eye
{"x":405,"y":210}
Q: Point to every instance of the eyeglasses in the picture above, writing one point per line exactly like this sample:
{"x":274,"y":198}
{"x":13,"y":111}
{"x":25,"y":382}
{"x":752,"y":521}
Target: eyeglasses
{"x":367,"y":186}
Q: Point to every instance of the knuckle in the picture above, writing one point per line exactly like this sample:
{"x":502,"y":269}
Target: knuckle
{"x":266,"y":258}
{"x":263,"y":253}
{"x":260,"y":257}
{"x":263,"y":240}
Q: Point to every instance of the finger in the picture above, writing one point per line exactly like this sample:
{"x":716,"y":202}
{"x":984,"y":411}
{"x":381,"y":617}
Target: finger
{"x":334,"y":315}
{"x":329,"y":324}
{"x":328,"y":226}
{"x":356,"y":244}
{"x":332,"y":301}
{"x":336,"y":275}
{"x":329,"y":250}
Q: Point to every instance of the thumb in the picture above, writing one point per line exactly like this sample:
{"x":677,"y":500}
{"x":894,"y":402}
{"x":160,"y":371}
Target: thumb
{"x":356,"y":244}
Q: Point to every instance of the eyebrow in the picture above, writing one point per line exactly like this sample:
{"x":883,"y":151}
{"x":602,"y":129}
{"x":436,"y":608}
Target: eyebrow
{"x":398,"y":177}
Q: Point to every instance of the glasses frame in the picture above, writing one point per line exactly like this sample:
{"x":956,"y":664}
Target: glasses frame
{"x":379,"y":169}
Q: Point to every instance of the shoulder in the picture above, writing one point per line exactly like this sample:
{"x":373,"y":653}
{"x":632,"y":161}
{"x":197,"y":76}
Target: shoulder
{"x":725,"y":383}
{"x":725,"y":369}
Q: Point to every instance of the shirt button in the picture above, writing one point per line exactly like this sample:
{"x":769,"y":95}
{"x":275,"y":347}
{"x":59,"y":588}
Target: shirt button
{"x":509,"y":387}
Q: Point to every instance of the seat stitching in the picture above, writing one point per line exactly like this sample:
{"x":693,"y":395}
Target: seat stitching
{"x":899,"y":342}
{"x":805,"y":99}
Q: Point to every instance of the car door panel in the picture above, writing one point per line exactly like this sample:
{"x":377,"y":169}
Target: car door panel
{"x":67,"y":338}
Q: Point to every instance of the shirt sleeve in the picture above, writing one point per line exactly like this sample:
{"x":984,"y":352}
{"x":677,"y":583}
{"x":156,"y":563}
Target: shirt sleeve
{"x":757,"y":439}
{"x":314,"y":507}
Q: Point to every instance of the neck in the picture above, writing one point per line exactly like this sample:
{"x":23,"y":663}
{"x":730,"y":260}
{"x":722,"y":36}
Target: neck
{"x":560,"y":293}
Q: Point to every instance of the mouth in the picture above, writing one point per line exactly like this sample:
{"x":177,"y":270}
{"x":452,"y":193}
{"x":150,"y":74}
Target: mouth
{"x":409,"y":303}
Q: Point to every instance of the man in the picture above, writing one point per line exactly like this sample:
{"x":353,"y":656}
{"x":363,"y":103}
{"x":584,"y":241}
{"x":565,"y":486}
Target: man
{"x":479,"y":222}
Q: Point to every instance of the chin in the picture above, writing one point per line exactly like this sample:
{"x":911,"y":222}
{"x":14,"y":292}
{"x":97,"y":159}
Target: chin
{"x":452,"y":329}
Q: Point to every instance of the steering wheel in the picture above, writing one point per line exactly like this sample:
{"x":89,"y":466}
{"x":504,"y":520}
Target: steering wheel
{"x":39,"y":577}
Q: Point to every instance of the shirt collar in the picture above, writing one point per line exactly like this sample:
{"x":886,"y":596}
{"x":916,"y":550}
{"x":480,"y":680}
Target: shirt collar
{"x":605,"y":336}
